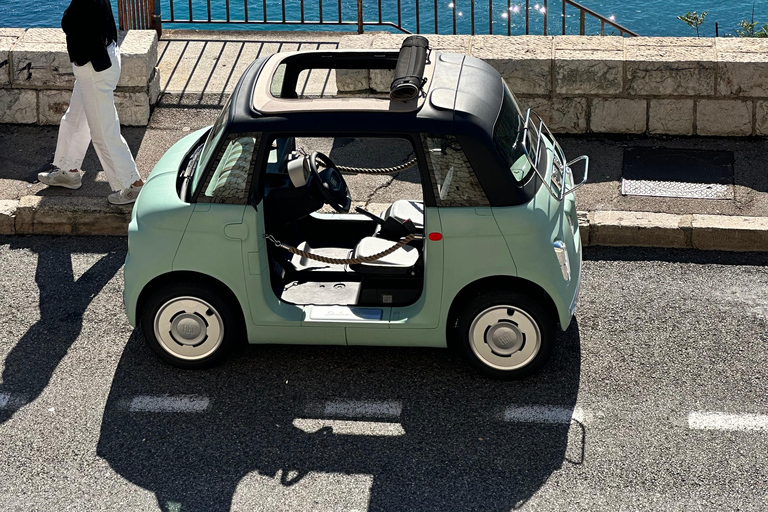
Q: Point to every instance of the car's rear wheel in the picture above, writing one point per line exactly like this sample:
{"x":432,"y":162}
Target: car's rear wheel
{"x":189,"y":325}
{"x":505,"y":334}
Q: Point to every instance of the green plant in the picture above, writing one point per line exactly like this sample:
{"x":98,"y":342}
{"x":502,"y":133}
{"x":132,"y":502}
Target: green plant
{"x":693,"y":19}
{"x":747,"y":29}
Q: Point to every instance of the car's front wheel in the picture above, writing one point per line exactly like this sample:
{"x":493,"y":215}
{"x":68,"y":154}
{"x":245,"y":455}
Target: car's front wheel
{"x":189,"y":325}
{"x":505,"y":334}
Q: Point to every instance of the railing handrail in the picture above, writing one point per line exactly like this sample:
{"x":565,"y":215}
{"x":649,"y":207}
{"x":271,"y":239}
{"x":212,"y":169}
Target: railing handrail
{"x":358,"y":20}
{"x":603,"y":19}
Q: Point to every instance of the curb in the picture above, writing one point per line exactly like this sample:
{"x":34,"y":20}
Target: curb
{"x":92,"y":216}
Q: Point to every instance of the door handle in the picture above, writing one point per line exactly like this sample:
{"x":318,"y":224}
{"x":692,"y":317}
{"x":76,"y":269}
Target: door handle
{"x":237,"y":231}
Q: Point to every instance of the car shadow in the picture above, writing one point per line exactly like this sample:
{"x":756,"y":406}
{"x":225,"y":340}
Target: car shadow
{"x":452,"y":449}
{"x":63,"y":301}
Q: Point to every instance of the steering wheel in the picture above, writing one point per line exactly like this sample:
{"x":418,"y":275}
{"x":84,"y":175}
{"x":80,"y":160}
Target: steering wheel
{"x":329,"y":182}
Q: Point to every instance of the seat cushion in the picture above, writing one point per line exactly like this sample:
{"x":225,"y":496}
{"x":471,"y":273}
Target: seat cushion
{"x":405,"y":209}
{"x":403,"y":258}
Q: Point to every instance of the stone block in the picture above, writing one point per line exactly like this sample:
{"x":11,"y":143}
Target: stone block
{"x":72,"y":215}
{"x":741,"y":44}
{"x":724,"y":233}
{"x":671,"y":117}
{"x":8,"y":216}
{"x":701,"y":42}
{"x":40,"y":64}
{"x":381,"y":79}
{"x":724,"y":117}
{"x":455,"y":44}
{"x":761,"y":118}
{"x":562,"y":115}
{"x":37,"y":215}
{"x":675,"y":69}
{"x":356,"y":42}
{"x":589,"y":71}
{"x":639,"y":229}
{"x":154,"y":87}
{"x":138,"y":54}
{"x":618,"y":115}
{"x":600,"y":43}
{"x":12,"y":32}
{"x":525,"y":62}
{"x":53,"y":105}
{"x":18,"y":106}
{"x":742,"y":74}
{"x":352,"y":80}
{"x":6,"y":43}
{"x":132,"y":108}
{"x":584,"y":227}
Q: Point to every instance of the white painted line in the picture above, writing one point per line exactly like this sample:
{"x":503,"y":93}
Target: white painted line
{"x":188,"y":403}
{"x":542,"y":414}
{"x":350,"y":428}
{"x":725,"y":421}
{"x":382,"y":409}
{"x":4,"y":399}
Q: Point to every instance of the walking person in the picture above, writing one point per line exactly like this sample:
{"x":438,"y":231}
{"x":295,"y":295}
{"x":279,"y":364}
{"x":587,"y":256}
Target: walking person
{"x":92,"y":117}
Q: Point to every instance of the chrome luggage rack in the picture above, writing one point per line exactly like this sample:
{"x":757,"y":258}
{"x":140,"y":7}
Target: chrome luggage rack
{"x":560,"y":168}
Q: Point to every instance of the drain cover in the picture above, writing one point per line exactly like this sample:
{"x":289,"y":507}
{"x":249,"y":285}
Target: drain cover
{"x":687,"y":173}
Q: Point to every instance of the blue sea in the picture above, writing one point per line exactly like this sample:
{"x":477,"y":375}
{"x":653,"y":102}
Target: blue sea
{"x":647,"y":17}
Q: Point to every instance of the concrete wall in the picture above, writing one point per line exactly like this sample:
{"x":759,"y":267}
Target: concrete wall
{"x":36,"y":76}
{"x":633,"y":85}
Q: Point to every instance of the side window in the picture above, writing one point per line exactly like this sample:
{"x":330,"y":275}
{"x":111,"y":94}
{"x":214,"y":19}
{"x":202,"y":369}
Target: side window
{"x":453,"y":180}
{"x":233,"y":171}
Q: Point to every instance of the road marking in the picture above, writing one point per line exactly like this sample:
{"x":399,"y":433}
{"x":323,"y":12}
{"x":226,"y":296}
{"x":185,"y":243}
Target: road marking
{"x":542,"y":414}
{"x":350,"y":428}
{"x":4,"y":399}
{"x":382,"y":409}
{"x":184,"y":403}
{"x":725,"y":421}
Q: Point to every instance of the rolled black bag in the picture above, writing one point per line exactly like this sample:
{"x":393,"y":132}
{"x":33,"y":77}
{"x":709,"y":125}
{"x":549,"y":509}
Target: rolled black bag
{"x":409,"y":71}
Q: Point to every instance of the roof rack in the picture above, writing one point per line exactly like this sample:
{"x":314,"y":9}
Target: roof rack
{"x":409,"y":72}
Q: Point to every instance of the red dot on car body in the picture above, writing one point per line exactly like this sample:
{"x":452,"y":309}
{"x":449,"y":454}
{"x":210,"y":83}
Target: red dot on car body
{"x":435,"y":237}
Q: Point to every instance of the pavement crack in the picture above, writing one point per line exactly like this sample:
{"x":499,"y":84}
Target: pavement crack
{"x":380,"y":187}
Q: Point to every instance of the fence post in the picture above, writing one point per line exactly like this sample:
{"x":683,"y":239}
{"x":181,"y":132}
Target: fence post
{"x":359,"y":16}
{"x":157,"y":16}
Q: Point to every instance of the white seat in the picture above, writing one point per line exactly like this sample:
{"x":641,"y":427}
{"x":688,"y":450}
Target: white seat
{"x":405,"y":209}
{"x":397,"y":262}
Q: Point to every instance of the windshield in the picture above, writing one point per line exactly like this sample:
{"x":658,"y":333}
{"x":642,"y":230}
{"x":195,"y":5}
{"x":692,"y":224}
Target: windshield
{"x":508,"y":135}
{"x":214,"y":136}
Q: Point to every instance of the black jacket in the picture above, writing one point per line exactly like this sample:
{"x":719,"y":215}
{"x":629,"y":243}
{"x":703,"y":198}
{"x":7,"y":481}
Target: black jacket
{"x":90,"y":28}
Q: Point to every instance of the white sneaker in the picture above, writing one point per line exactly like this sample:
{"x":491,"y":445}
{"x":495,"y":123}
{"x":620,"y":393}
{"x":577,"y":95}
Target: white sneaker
{"x":125,"y":196}
{"x":60,"y":178}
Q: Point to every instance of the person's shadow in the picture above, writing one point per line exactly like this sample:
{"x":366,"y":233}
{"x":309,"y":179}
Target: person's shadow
{"x":454,"y":450}
{"x":63,"y":300}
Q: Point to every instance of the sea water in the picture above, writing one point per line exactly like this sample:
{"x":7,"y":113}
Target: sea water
{"x":646,"y":17}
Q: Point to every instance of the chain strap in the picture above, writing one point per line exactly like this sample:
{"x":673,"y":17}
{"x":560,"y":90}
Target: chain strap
{"x":338,"y":261}
{"x":375,"y":170}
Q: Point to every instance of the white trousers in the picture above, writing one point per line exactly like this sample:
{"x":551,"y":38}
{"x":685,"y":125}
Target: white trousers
{"x":92,"y":117}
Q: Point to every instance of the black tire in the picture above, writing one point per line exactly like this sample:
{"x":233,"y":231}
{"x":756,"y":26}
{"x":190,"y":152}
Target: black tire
{"x":513,"y":322}
{"x":197,"y":324}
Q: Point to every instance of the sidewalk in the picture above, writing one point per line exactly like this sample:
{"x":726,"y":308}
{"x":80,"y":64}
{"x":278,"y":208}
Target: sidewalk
{"x":198,"y":72}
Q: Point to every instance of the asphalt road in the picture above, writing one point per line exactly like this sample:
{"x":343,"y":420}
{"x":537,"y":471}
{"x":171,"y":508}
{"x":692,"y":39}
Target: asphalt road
{"x":655,"y":400}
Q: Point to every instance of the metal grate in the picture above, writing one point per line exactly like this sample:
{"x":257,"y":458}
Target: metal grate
{"x":684,"y":173}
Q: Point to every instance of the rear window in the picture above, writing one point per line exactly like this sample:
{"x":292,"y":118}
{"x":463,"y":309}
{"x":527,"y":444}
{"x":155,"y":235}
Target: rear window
{"x":508,"y":136}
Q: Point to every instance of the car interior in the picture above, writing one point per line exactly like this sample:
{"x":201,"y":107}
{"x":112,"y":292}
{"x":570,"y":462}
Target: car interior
{"x":309,"y":205}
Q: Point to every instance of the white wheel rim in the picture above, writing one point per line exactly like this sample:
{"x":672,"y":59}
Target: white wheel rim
{"x":189,"y":328}
{"x":505,"y":337}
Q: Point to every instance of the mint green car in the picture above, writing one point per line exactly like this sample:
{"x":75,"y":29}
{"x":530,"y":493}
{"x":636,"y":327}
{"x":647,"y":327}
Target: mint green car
{"x":244,"y":231}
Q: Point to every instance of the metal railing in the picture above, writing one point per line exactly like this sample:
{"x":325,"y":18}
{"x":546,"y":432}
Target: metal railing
{"x":583,"y":11}
{"x":141,"y":14}
{"x":409,"y":16}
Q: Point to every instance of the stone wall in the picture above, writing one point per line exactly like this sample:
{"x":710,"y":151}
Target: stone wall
{"x":632,"y":85}
{"x":36,"y":76}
